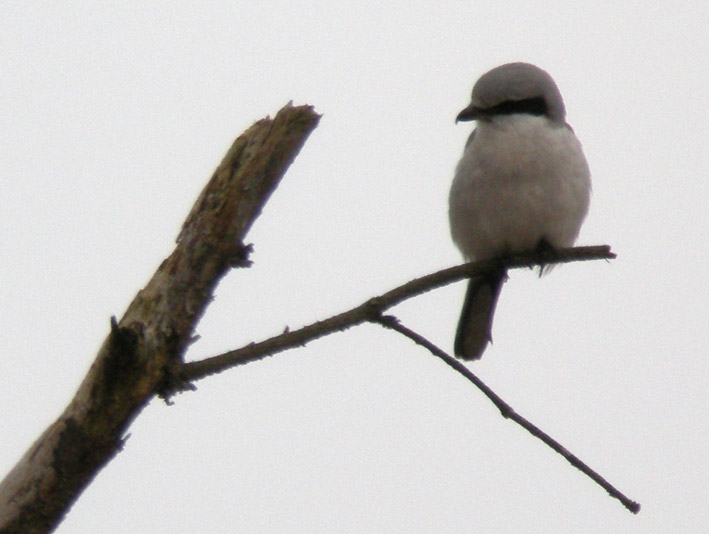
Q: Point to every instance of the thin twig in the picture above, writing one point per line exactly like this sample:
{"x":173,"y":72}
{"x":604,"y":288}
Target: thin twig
{"x":508,"y":412}
{"x":371,"y":309}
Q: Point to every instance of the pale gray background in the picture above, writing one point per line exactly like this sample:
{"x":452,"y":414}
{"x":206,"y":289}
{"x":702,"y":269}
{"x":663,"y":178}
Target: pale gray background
{"x":112,"y":120}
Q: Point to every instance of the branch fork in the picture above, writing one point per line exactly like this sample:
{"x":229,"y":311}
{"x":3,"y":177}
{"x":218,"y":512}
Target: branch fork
{"x":142,"y":355}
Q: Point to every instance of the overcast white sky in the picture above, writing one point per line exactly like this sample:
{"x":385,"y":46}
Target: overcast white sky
{"x":112,"y":120}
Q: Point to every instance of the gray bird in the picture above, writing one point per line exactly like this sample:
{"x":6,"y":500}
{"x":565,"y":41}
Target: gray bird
{"x":522,"y":182}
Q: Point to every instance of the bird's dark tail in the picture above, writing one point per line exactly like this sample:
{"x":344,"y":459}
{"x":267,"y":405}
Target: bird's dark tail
{"x":475,"y":325}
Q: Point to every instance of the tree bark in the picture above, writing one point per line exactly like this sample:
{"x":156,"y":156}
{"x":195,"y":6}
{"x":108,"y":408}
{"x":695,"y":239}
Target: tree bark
{"x":136,"y":360}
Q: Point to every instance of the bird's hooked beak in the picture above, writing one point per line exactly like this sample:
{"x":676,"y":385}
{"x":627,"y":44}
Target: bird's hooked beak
{"x":470,"y":113}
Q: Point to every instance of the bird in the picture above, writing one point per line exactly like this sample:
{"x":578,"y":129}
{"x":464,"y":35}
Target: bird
{"x":522,"y":183}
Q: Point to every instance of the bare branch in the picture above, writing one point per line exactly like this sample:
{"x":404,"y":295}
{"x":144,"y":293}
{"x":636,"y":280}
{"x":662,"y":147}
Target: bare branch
{"x":131,"y":366}
{"x":143,"y":353}
{"x":508,"y":412}
{"x":370,"y":310}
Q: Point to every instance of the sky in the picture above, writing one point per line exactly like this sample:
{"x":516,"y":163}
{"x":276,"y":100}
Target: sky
{"x":113,"y":117}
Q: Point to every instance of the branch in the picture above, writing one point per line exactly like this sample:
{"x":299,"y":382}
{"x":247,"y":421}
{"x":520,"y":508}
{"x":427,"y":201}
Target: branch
{"x":371,"y":310}
{"x":143,"y":353}
{"x":132,"y":365}
{"x":508,"y":412}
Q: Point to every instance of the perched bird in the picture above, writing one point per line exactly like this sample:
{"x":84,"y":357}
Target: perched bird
{"x":522,"y":182}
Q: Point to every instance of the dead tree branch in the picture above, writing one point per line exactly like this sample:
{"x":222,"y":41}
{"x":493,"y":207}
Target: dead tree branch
{"x":373,"y":311}
{"x":154,"y":332}
{"x":143,"y":354}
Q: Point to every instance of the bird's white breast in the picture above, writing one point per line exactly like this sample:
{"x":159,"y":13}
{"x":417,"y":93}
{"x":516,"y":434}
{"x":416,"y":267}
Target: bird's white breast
{"x":521,"y":178}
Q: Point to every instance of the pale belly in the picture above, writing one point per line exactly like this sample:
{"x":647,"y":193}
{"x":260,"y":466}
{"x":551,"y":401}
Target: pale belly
{"x":519,"y":181}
